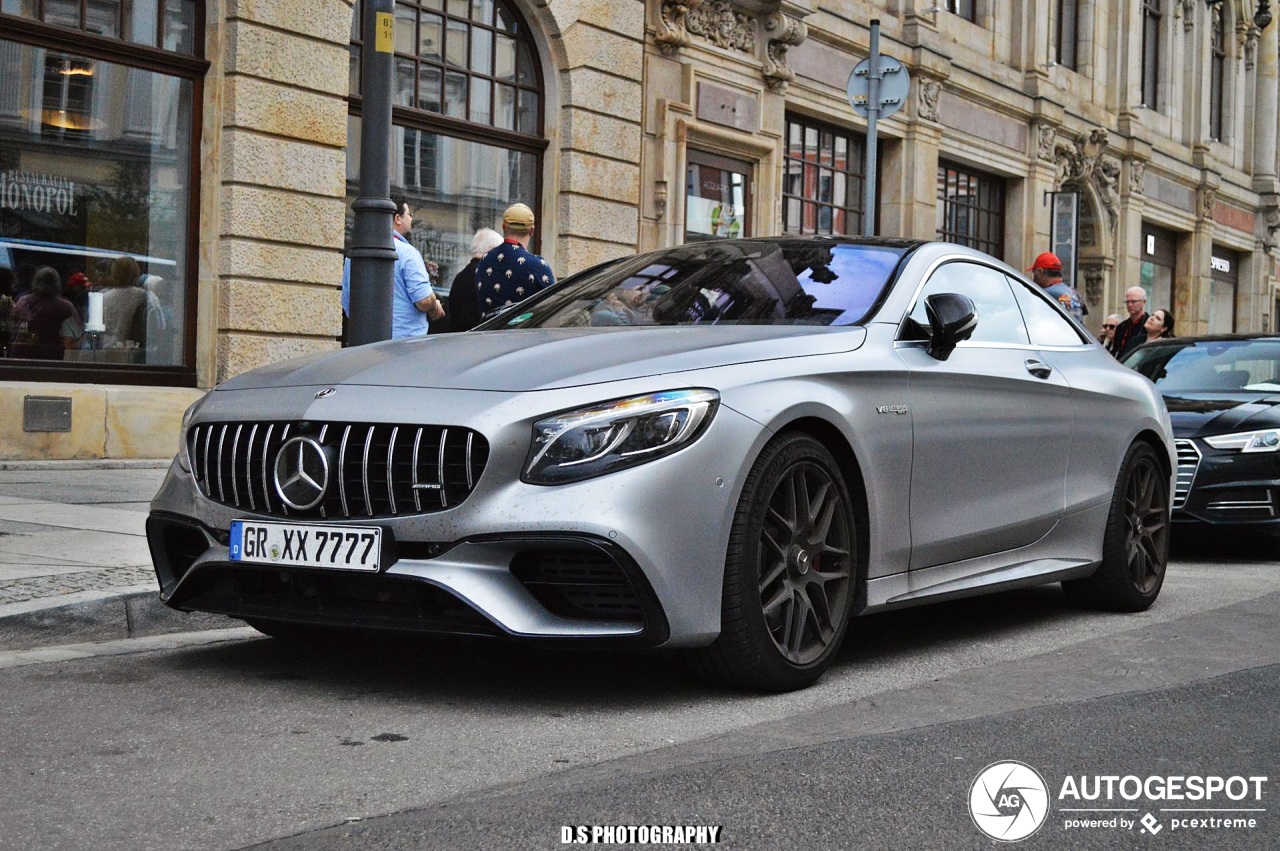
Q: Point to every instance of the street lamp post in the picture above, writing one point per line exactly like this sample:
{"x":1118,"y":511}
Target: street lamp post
{"x":373,"y":253}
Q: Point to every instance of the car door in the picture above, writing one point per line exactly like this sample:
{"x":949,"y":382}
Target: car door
{"x":992,"y":427}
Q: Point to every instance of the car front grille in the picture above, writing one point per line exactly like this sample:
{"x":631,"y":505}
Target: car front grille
{"x":374,"y":470}
{"x":1188,"y":463}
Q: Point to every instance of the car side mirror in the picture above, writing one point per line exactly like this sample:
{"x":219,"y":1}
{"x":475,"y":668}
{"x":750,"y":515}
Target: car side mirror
{"x":952,"y":319}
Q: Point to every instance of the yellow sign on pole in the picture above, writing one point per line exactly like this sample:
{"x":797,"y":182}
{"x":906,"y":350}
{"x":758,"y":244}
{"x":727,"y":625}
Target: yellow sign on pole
{"x":384,"y":40}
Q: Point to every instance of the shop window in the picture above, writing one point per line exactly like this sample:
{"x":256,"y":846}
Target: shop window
{"x":97,"y":191}
{"x":717,"y":197}
{"x":1159,"y":267}
{"x":823,"y":188}
{"x":1223,"y":283}
{"x":971,"y":208}
{"x":467,"y":122}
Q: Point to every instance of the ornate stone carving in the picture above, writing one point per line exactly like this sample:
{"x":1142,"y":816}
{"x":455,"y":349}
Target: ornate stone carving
{"x":1093,"y":279}
{"x":1137,"y":176}
{"x":1081,"y":162}
{"x":1271,"y":218}
{"x":1047,"y":137}
{"x":659,"y":199}
{"x":1186,"y":9}
{"x":784,"y":33}
{"x":672,"y":18}
{"x":930,"y":93}
{"x":1249,"y":40}
{"x":1207,"y":196}
{"x":717,"y":22}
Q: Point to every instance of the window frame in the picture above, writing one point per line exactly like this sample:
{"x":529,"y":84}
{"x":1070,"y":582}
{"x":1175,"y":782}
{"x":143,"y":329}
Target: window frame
{"x":991,"y":216}
{"x":1152,"y":53}
{"x":854,"y":177}
{"x":1067,"y":39}
{"x":964,"y":9}
{"x":1217,"y":73}
{"x":190,"y":67}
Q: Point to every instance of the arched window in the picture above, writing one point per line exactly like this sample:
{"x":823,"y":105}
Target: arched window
{"x":467,"y":115}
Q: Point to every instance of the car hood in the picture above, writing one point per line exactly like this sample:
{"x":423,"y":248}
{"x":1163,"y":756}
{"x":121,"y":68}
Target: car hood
{"x":540,"y":359}
{"x":1199,"y":414}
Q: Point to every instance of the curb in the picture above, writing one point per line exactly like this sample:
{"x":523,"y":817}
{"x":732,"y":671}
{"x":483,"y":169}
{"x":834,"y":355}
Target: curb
{"x":88,"y":616}
{"x":89,"y":464}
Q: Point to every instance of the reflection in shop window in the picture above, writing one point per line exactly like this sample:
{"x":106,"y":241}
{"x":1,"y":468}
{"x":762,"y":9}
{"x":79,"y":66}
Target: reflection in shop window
{"x":94,"y":183}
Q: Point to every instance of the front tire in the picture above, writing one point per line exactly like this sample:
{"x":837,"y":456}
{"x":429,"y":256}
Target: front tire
{"x":790,"y":572}
{"x":1135,"y":547}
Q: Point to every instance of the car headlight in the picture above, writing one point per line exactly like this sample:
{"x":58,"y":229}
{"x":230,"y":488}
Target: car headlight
{"x":592,"y":441}
{"x":1266,"y":440}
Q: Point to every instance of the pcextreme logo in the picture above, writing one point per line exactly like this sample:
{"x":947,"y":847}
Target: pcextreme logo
{"x":1009,"y":801}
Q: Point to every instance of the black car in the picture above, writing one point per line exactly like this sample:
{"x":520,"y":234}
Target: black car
{"x":1223,"y":394}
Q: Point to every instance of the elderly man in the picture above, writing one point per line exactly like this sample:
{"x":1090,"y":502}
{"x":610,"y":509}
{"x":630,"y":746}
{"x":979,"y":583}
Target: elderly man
{"x":1109,"y":326}
{"x":1131,"y":333}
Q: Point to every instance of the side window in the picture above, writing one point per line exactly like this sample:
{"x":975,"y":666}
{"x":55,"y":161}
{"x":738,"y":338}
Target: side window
{"x":999,"y":320}
{"x":1045,"y":323}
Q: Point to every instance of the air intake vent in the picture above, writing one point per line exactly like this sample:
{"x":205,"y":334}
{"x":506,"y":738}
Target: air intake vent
{"x":1188,"y":463}
{"x":369,"y":470}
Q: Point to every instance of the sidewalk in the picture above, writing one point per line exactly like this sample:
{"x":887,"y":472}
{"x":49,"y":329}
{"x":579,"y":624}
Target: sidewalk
{"x":74,"y":564}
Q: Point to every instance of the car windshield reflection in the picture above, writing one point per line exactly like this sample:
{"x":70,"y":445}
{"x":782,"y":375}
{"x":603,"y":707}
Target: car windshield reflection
{"x":1211,"y":366}
{"x":757,"y":282}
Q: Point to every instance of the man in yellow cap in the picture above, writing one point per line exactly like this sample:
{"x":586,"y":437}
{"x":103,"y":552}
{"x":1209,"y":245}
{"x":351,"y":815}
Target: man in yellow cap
{"x":511,"y":272}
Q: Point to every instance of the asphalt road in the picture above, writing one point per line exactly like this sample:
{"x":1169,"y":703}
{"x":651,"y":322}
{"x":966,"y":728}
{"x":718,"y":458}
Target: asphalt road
{"x":478,"y":745}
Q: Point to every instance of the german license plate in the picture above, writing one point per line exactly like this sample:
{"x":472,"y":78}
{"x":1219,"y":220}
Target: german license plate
{"x":306,"y":545}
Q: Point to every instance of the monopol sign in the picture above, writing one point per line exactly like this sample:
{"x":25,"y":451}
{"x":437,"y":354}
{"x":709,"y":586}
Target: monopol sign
{"x":37,"y":193}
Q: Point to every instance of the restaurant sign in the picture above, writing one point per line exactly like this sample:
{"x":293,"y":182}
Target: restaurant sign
{"x":37,"y":193}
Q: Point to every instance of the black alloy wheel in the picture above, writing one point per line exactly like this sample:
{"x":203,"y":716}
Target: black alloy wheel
{"x":790,"y":571}
{"x":1135,"y":549}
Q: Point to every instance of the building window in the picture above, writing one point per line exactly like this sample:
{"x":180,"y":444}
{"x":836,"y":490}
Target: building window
{"x":1223,"y":283}
{"x":166,"y":24}
{"x":468,"y":103}
{"x":97,"y":184}
{"x":1068,"y":36}
{"x":1217,"y":73}
{"x":1159,"y":267}
{"x":822,"y":187}
{"x":717,"y":197}
{"x":971,"y":208}
{"x":966,"y":9}
{"x":1152,"y":18}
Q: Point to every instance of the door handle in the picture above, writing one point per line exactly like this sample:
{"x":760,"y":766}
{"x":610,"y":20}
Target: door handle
{"x":1039,"y":369}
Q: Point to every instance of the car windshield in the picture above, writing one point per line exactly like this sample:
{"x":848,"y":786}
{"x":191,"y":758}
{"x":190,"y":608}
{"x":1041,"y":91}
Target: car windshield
{"x":1211,"y":366}
{"x":755,"y":282}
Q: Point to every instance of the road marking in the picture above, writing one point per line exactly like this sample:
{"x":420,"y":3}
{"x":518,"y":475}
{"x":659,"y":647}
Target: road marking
{"x":123,"y":646}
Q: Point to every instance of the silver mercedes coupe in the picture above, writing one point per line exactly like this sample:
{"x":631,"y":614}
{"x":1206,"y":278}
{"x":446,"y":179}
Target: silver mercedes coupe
{"x":728,"y":448}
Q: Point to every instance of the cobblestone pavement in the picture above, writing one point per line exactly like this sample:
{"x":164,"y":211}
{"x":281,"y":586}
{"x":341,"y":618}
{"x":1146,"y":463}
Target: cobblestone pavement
{"x":41,"y":587}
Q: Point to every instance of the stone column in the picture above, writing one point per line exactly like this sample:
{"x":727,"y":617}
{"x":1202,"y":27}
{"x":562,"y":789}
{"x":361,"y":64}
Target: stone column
{"x":1265,"y":123}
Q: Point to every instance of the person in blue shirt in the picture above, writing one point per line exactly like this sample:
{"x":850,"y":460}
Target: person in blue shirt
{"x":1047,"y":272}
{"x":412,"y":299}
{"x":511,"y":273}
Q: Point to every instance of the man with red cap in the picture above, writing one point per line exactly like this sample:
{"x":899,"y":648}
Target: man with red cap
{"x":1047,"y":272}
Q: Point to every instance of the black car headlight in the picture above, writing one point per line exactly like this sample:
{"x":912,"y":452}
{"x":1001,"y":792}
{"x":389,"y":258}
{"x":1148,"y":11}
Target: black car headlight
{"x":610,"y":436}
{"x":1265,"y":440}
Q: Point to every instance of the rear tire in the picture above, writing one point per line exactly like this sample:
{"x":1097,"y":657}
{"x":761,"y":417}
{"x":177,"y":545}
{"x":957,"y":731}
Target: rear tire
{"x":790,"y":572}
{"x":1135,"y":546}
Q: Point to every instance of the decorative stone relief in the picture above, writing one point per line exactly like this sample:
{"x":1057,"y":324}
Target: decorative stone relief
{"x":717,"y":22}
{"x":1186,"y":9}
{"x":1080,"y":161}
{"x":1137,"y":176}
{"x":672,"y":19}
{"x":1207,"y":196}
{"x":785,"y":33}
{"x":1047,"y":137}
{"x":1093,"y":279}
{"x":1271,"y":217}
{"x":1249,"y":40}
{"x":659,"y":199}
{"x":927,"y":105}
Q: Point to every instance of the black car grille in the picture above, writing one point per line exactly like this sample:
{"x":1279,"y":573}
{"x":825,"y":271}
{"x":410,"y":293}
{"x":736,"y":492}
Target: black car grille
{"x":1188,"y":464}
{"x":577,"y":583}
{"x":376,"y":470}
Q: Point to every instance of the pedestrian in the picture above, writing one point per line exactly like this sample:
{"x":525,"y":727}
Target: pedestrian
{"x":52,"y":322}
{"x":464,"y":303}
{"x":412,"y":299}
{"x":1132,"y":332}
{"x":1047,"y":272}
{"x":1159,"y":325}
{"x":1108,"y":329}
{"x":510,"y":273}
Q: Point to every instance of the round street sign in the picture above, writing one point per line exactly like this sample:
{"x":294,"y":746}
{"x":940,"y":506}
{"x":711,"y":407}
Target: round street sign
{"x":895,"y":84}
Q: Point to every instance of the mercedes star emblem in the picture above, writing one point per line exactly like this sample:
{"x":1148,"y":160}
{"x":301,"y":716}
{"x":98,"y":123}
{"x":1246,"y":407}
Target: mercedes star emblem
{"x":326,"y":392}
{"x":301,"y":473}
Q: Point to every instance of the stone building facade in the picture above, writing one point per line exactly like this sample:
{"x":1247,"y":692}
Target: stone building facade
{"x":627,"y":125}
